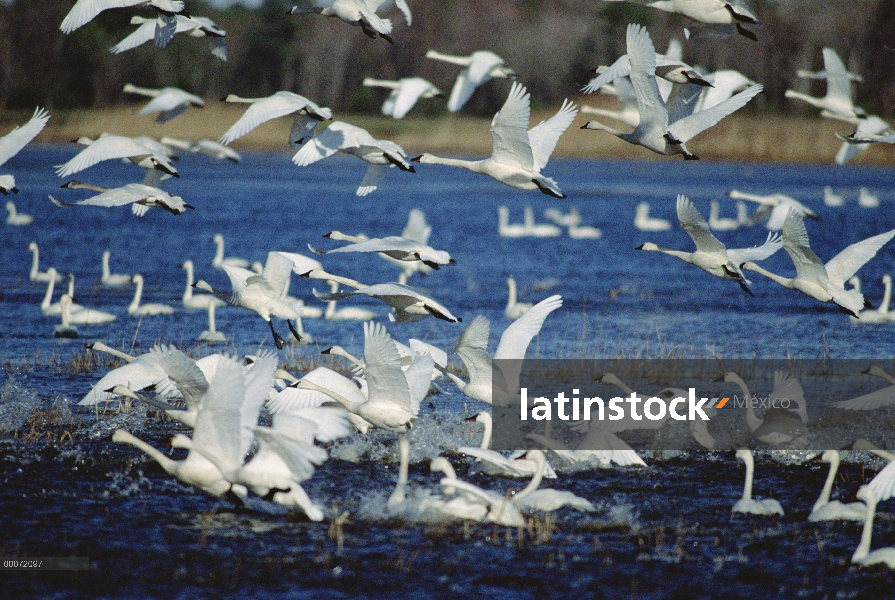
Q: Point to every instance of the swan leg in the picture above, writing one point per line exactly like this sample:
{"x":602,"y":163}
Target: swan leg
{"x":746,"y":33}
{"x":745,"y":287}
{"x":547,"y":190}
{"x":276,"y":336}
{"x":292,"y":329}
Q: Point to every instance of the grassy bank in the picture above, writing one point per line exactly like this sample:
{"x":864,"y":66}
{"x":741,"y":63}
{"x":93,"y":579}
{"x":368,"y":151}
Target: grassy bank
{"x":748,"y":138}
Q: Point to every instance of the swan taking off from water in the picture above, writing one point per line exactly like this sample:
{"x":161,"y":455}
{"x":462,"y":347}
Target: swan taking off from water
{"x":495,"y":463}
{"x":361,"y":13}
{"x":711,"y":255}
{"x":478,"y":68}
{"x":656,"y":131}
{"x":16,"y":218}
{"x":145,"y":310}
{"x":823,"y":509}
{"x":746,"y":504}
{"x":838,"y":99}
{"x":393,"y":246}
{"x":824,"y":282}
{"x":405,"y":93}
{"x":472,"y":347}
{"x":518,"y":154}
{"x":85,"y":11}
{"x":36,"y":274}
{"x":774,"y":207}
{"x":777,"y":425}
{"x":141,"y":198}
{"x":711,"y":12}
{"x":138,"y":373}
{"x":281,"y":104}
{"x":644,"y":222}
{"x":862,"y":554}
{"x":349,"y":139}
{"x":111,"y":147}
{"x":11,"y":144}
{"x":168,"y":102}
{"x":193,"y":26}
{"x":514,"y":309}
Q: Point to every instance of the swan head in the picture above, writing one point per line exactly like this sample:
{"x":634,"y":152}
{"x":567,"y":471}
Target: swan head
{"x":830,"y":456}
{"x":610,"y":378}
{"x":729,"y":377}
{"x":648,"y":246}
{"x":181,"y":441}
{"x":874,"y":370}
{"x":218,"y":238}
{"x":441,"y":465}
{"x":10,"y":206}
{"x":887,"y":279}
{"x":159,"y":163}
{"x":595,"y":125}
{"x":137,"y":279}
{"x":187,"y":264}
{"x":424,"y":159}
{"x":33,"y":246}
{"x":484,"y":417}
{"x":745,"y":455}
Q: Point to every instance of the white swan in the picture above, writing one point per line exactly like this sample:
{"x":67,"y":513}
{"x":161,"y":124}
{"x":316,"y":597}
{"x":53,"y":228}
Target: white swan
{"x":775,"y":207}
{"x":746,"y":504}
{"x":656,"y":131}
{"x":409,"y":304}
{"x":824,"y":282}
{"x":12,"y":143}
{"x":209,"y":148}
{"x":110,"y":279}
{"x":725,"y":83}
{"x":867,"y":130}
{"x":514,"y":309}
{"x":862,"y":554}
{"x":50,"y":308}
{"x":712,"y":12}
{"x":85,"y":11}
{"x":598,"y":447}
{"x":495,"y":463}
{"x":624,"y":92}
{"x":219,"y":261}
{"x":350,"y":139}
{"x":193,"y":26}
{"x":478,"y":68}
{"x":472,"y":347}
{"x":141,"y":197}
{"x":36,"y":274}
{"x":361,"y":13}
{"x":777,"y":425}
{"x":584,"y":232}
{"x":874,"y":400}
{"x":454,"y":505}
{"x":145,"y":310}
{"x":168,"y":102}
{"x":867,"y":199}
{"x":346,"y":313}
{"x":831,"y":198}
{"x":16,"y":218}
{"x":518,"y":154}
{"x":111,"y":147}
{"x":644,"y":222}
{"x":138,"y":373}
{"x":212,"y":335}
{"x":880,"y":314}
{"x":504,"y":228}
{"x":838,"y":99}
{"x":281,"y":104}
{"x":80,"y":315}
{"x":711,"y":255}
{"x":196,"y":301}
{"x":65,"y":329}
{"x":718,"y":223}
{"x":393,"y":246}
{"x":669,"y":69}
{"x":293,"y":397}
{"x":405,"y":93}
{"x":533,"y":499}
{"x":533,"y":229}
{"x":823,"y":509}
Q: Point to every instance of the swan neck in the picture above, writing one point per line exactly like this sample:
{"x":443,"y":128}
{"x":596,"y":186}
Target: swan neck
{"x":752,"y":421}
{"x":138,"y":293}
{"x":887,"y":297}
{"x":461,"y":385}
{"x":35,"y":261}
{"x":48,"y":296}
{"x":100,"y":347}
{"x":472,"y":165}
{"x":337,"y":397}
{"x":188,"y":291}
{"x":785,"y":282}
{"x":219,"y":253}
{"x":511,"y":301}
{"x":535,"y":480}
{"x":750,"y":473}
{"x":71,"y":285}
{"x":867,"y":533}
{"x":489,"y":431}
{"x":211,"y":327}
{"x":106,"y":270}
{"x":828,"y":484}
{"x":166,"y":463}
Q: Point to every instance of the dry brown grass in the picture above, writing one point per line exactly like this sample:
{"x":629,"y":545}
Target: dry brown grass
{"x":740,"y":137}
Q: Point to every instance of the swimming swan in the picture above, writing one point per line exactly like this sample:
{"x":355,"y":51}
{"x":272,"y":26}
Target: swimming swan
{"x":405,"y":93}
{"x":47,"y":306}
{"x":110,"y":279}
{"x":644,"y":222}
{"x":219,"y":261}
{"x":212,"y":335}
{"x":533,"y":229}
{"x":746,"y":504}
{"x":514,"y":309}
{"x":867,"y":199}
{"x":306,"y":113}
{"x":862,"y":554}
{"x":10,"y":145}
{"x":36,"y":274}
{"x":145,"y":310}
{"x":831,"y":198}
{"x":880,"y":314}
{"x":823,"y":509}
{"x":478,"y":68}
{"x":194,"y":301}
{"x":111,"y":147}
{"x":495,"y":463}
{"x":505,"y":228}
{"x":168,"y":102}
{"x":777,"y":425}
{"x":16,"y":218}
{"x":719,"y":223}
{"x":824,"y":282}
{"x":518,"y":153}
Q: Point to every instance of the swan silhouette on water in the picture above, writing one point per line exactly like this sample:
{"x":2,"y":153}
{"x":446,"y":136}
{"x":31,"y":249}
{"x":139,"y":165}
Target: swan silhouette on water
{"x":862,"y":555}
{"x":85,"y":11}
{"x":36,"y":274}
{"x":211,"y":334}
{"x":774,"y":207}
{"x":831,"y":198}
{"x":495,"y":463}
{"x":718,"y":223}
{"x":505,"y":228}
{"x":112,"y":279}
{"x":746,"y":504}
{"x":644,"y":222}
{"x":168,"y":102}
{"x":405,"y":93}
{"x":867,"y":199}
{"x":145,"y":310}
{"x":11,"y":144}
{"x":656,"y":131}
{"x":361,"y":13}
{"x":518,"y":154}
{"x":878,"y":315}
{"x":219,"y":261}
{"x":874,"y":400}
{"x":306,"y":113}
{"x":47,"y":306}
{"x":711,"y":255}
{"x":15,"y":217}
{"x":194,"y":26}
{"x":777,"y":425}
{"x":514,"y":309}
{"x":140,"y":196}
{"x":824,"y":282}
{"x":350,"y":139}
{"x":472,"y":347}
{"x":478,"y":68}
{"x":196,"y":301}
{"x":838,"y":99}
{"x":111,"y":147}
{"x":533,"y":229}
{"x":823,"y":509}
{"x":77,"y":314}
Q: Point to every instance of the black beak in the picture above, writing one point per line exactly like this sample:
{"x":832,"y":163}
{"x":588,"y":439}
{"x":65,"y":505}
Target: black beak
{"x":417,"y":159}
{"x":640,"y":247}
{"x":326,"y":351}
{"x":308,"y":274}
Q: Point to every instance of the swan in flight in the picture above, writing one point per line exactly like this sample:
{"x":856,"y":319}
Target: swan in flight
{"x":405,"y":93}
{"x":138,"y":373}
{"x":711,"y":255}
{"x":598,"y":447}
{"x":862,"y":554}
{"x":724,"y":84}
{"x":409,"y":304}
{"x":361,"y":13}
{"x":518,"y":153}
{"x":349,"y":139}
{"x":823,"y":509}
{"x":112,"y":279}
{"x":495,"y":463}
{"x":306,"y":115}
{"x":838,"y":99}
{"x":193,"y":26}
{"x":141,"y":198}
{"x":711,"y":12}
{"x":472,"y":347}
{"x":219,"y":261}
{"x":669,"y":69}
{"x":624,"y":92}
{"x":831,"y":198}
{"x":85,"y":11}
{"x":514,"y":309}
{"x":719,"y":223}
{"x":644,"y":222}
{"x":867,"y":130}
{"x":111,"y":147}
{"x":867,"y":199}
{"x":505,"y":228}
{"x":824,"y":282}
{"x":12,"y":143}
{"x":874,"y":400}
{"x":36,"y":274}
{"x":746,"y":504}
{"x":16,"y":218}
{"x":210,"y":148}
{"x":879,"y":315}
{"x":346,"y":313}
{"x":393,"y":246}
{"x":777,"y":425}
{"x":195,"y":301}
{"x":656,"y":130}
{"x":145,"y":310}
{"x":478,"y":68}
{"x":169,"y":102}
{"x":774,"y":207}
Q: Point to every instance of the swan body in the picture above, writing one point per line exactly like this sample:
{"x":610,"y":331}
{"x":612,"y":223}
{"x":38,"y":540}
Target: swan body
{"x":724,"y":84}
{"x":219,"y":261}
{"x":350,"y":139}
{"x":168,"y":102}
{"x":504,"y":228}
{"x":281,"y":104}
{"x":193,"y":26}
{"x":823,"y":509}
{"x":881,"y":314}
{"x":778,"y":425}
{"x":514,"y":309}
{"x":746,"y":504}
{"x":85,"y":11}
{"x":212,"y":334}
{"x":405,"y":93}
{"x":518,"y":154}
{"x":495,"y":463}
{"x":16,"y":218}
{"x":831,"y":198}
{"x":196,"y":301}
{"x":838,"y":99}
{"x":36,"y":274}
{"x":867,"y":130}
{"x":778,"y":205}
{"x":478,"y":68}
{"x":111,"y":147}
{"x":867,"y":199}
{"x":824,"y":282}
{"x":712,"y":12}
{"x":141,"y":198}
{"x":862,"y":555}
{"x":145,"y":310}
{"x":65,"y":329}
{"x":396,"y":247}
{"x":138,"y":373}
{"x":454,"y":505}
{"x":472,"y":347}
{"x":644,"y":222}
{"x":109,"y":278}
{"x":10,"y":145}
{"x":656,"y":130}
{"x":361,"y":13}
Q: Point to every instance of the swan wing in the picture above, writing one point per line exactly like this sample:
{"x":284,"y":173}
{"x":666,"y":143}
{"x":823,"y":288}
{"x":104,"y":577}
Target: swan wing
{"x":218,"y":429}
{"x":107,"y":147}
{"x":392,"y":243}
{"x":740,"y":255}
{"x":838,"y":84}
{"x":325,"y":424}
{"x":642,"y":56}
{"x":786,"y":386}
{"x":462,"y":91}
{"x":142,"y":34}
{"x":404,"y":8}
{"x":544,"y":136}
{"x":509,"y":130}
{"x":438,"y":355}
{"x":300,"y":457}
{"x":845,"y":264}
{"x":257,"y":381}
{"x":871,"y":401}
{"x":300,"y":262}
{"x":170,"y":99}
{"x":883,"y":485}
{"x":472,"y":348}
{"x":272,"y":107}
{"x":382,"y":366}
{"x":408,"y":95}
{"x":137,"y":375}
{"x":689,"y":127}
{"x":473,"y":492}
{"x":372,"y":179}
{"x":419,"y":376}
{"x":490,"y":456}
{"x":548,"y":500}
{"x":18,"y":138}
{"x":85,"y":11}
{"x":682,"y":100}
{"x":696,"y":227}
{"x":417,"y":229}
{"x":294,"y":399}
{"x":480,"y":66}
{"x":402,"y":297}
{"x":239,"y":282}
{"x":335,"y":138}
{"x":620,"y":68}
{"x":277,"y":270}
{"x":796,"y":244}
{"x":114,"y":197}
{"x":184,"y":372}
{"x":516,"y":338}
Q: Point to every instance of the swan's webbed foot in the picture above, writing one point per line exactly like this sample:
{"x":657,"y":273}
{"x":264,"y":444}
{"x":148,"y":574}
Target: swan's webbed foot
{"x":280,"y":342}
{"x":295,"y":333}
